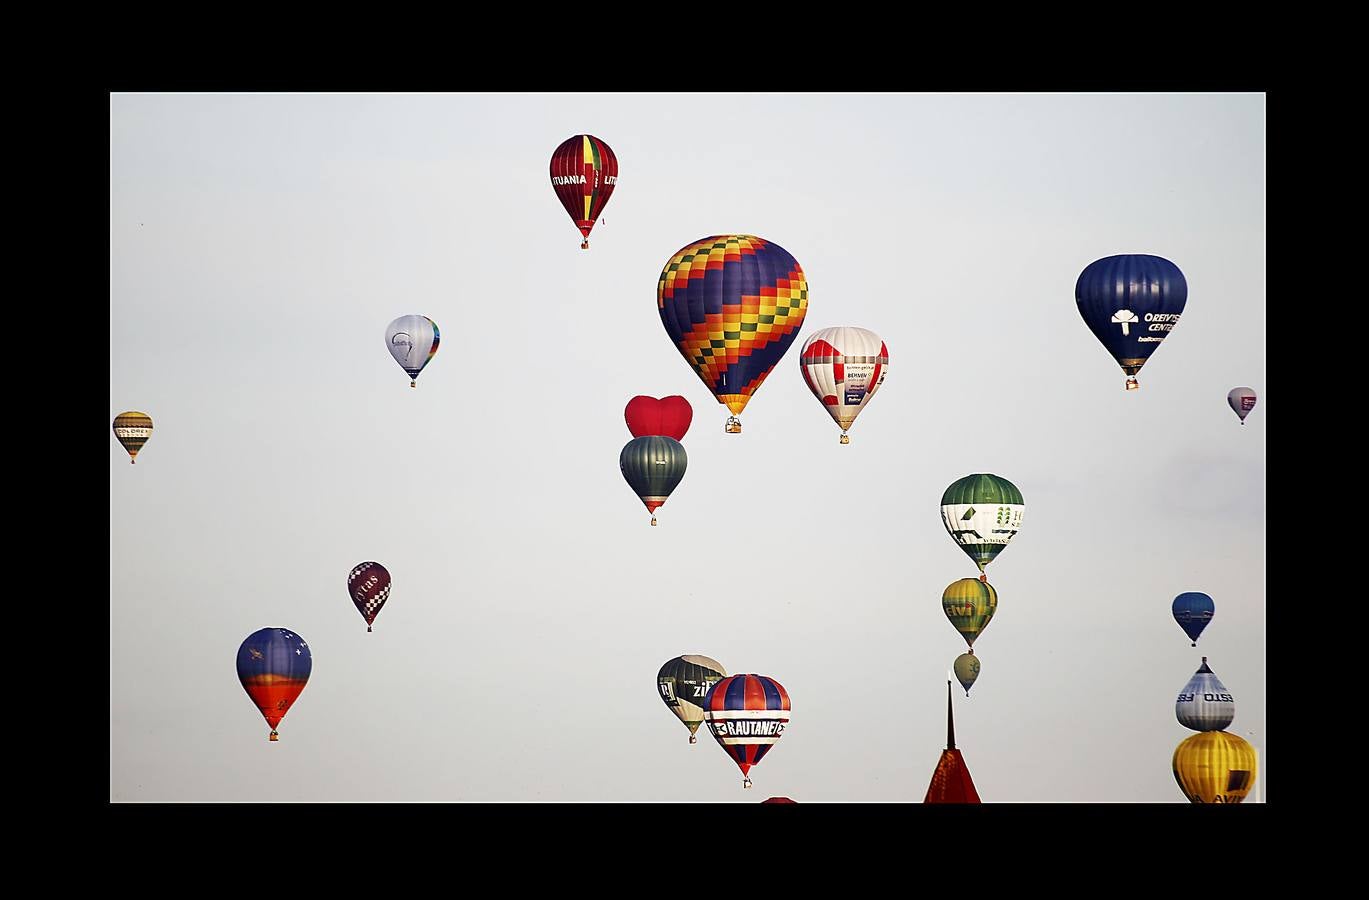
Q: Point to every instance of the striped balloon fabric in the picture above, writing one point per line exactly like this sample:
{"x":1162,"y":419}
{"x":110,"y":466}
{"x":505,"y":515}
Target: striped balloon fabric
{"x":133,"y":428}
{"x":584,"y":173}
{"x":1205,"y":704}
{"x":747,"y":714}
{"x":1215,"y":767}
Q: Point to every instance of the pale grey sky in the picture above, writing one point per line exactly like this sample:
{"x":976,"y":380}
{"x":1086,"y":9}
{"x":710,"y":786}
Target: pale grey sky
{"x":259,"y":245}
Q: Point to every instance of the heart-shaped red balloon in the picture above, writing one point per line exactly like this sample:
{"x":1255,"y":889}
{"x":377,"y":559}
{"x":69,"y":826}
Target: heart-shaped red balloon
{"x":670,"y":416}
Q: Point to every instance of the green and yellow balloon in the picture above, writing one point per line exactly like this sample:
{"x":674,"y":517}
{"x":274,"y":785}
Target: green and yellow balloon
{"x":982,"y":513}
{"x":969,"y":603}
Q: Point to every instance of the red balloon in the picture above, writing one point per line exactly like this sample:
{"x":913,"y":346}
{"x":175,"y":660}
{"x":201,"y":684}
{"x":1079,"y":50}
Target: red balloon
{"x":669,"y":417}
{"x":369,"y":586}
{"x":779,"y":800}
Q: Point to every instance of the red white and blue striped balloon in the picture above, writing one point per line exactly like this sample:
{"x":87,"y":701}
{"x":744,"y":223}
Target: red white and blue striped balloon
{"x":746,"y":715}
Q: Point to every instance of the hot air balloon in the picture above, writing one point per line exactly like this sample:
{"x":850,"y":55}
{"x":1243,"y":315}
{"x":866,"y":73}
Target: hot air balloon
{"x":982,"y":513}
{"x":584,"y":173}
{"x":1215,"y":767}
{"x":684,"y":682}
{"x":1242,"y":400}
{"x":747,"y":714}
{"x":951,"y":782}
{"x":368,"y":584}
{"x":653,"y":466}
{"x":969,"y":603}
{"x":966,"y":668}
{"x":1204,"y":704}
{"x":1193,"y":611}
{"x":274,"y":666}
{"x":667,"y":417}
{"x":1131,"y":303}
{"x":843,"y":367}
{"x":732,"y":304}
{"x":133,"y":428}
{"x":412,"y":341}
{"x":779,"y":800}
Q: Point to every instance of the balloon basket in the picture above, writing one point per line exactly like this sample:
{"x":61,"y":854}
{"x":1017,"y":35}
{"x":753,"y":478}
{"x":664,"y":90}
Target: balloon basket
{"x":1133,"y":384}
{"x":746,"y":782}
{"x":413,"y":384}
{"x":134,"y":462}
{"x":845,"y":438}
{"x":274,"y":736}
{"x":983,"y":576}
{"x":653,"y":521}
{"x":693,"y":739}
{"x":584,"y":245}
{"x":733,"y":426}
{"x":368,"y":629}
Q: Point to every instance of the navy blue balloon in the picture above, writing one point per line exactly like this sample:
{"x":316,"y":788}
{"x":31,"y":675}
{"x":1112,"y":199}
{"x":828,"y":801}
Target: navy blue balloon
{"x":1130,"y":303}
{"x":1193,"y":611}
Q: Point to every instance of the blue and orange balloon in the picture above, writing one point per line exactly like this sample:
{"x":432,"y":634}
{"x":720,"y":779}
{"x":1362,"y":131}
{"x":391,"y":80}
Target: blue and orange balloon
{"x":732,"y":305}
{"x":746,"y":714}
{"x":274,"y":666}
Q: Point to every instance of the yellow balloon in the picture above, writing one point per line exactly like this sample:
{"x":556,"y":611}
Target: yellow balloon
{"x":1215,"y":767}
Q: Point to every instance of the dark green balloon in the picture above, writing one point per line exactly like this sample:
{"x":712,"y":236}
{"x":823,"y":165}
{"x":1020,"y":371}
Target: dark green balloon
{"x":653,"y":466}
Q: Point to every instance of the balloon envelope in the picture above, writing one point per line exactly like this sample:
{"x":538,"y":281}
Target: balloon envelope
{"x":1131,"y":302}
{"x":273,"y":667}
{"x":981,"y":514}
{"x":969,"y":604}
{"x":653,"y":466}
{"x":412,"y":341}
{"x":368,"y":584}
{"x":732,"y":305}
{"x":1242,"y":401}
{"x":747,"y":714}
{"x":843,"y":367}
{"x":584,"y":173}
{"x":684,"y":682}
{"x":133,"y":428}
{"x":1215,"y":767}
{"x":1193,"y":610}
{"x":667,"y":417}
{"x":1204,"y":704}
{"x":966,"y":670}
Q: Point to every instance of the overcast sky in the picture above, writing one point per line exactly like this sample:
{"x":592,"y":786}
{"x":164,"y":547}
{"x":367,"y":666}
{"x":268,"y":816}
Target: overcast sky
{"x":260,"y":244}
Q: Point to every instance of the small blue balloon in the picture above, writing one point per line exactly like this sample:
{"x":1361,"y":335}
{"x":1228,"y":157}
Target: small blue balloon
{"x":1193,"y":611}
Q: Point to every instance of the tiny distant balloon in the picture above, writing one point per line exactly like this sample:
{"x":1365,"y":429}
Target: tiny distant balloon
{"x":1215,"y":767}
{"x":1204,"y":704}
{"x":412,"y":341}
{"x":966,"y":670}
{"x":683,"y":683}
{"x":1242,"y":401}
{"x":653,"y":467}
{"x":133,"y":428}
{"x":1193,"y":610}
{"x":368,"y":584}
{"x":747,"y":714}
{"x":273,"y":667}
{"x":668,"y":417}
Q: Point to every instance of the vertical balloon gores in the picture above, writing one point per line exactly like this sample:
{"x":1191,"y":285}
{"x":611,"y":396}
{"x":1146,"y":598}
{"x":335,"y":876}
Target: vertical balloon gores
{"x":1215,"y":767}
{"x":1131,"y":302}
{"x":132,"y":429}
{"x":368,"y":584}
{"x":273,"y":667}
{"x":653,"y":467}
{"x":747,"y":714}
{"x":732,"y":305}
{"x":981,"y":514}
{"x":412,"y":341}
{"x":1204,"y":704}
{"x":584,"y":173}
{"x":843,"y":367}
{"x":683,"y":683}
